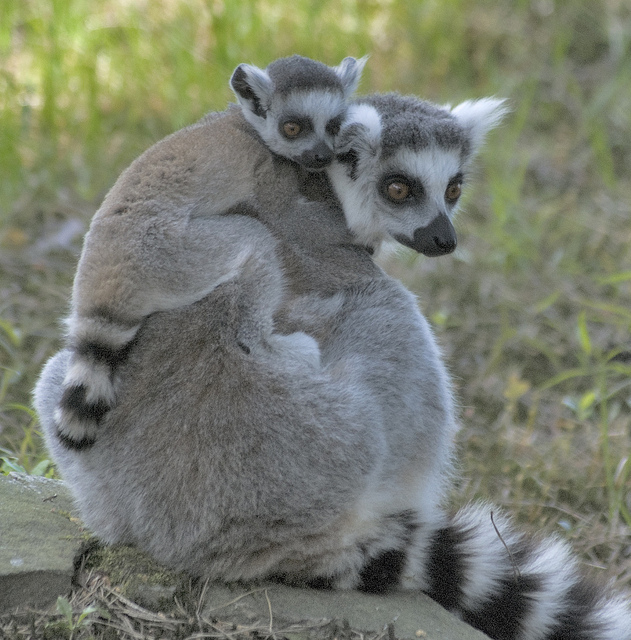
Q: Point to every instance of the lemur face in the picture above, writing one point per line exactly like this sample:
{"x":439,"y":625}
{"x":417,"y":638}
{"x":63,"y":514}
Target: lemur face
{"x":400,"y":167}
{"x":297,"y":105}
{"x":302,"y":126}
{"x":416,"y":195}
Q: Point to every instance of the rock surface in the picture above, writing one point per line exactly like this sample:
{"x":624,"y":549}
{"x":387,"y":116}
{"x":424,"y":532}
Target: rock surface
{"x":412,"y":615}
{"x":40,"y":541}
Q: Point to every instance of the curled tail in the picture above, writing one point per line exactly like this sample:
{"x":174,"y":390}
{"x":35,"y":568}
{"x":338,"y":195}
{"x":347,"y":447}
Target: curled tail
{"x":99,"y":345}
{"x":509,"y":585}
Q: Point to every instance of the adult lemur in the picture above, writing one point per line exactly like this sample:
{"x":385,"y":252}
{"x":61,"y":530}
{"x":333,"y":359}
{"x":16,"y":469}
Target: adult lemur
{"x":236,"y":453}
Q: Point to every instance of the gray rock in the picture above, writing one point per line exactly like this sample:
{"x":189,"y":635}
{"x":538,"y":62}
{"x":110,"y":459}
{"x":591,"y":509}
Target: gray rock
{"x":413,"y":615}
{"x":38,"y":541}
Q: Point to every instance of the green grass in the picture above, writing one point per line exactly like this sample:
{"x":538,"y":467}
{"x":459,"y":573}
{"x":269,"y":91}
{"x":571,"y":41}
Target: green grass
{"x":534,"y":309}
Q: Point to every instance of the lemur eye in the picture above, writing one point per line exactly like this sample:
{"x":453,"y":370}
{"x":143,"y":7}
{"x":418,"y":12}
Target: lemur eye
{"x":453,"y":191}
{"x":397,"y":190}
{"x":291,"y":129}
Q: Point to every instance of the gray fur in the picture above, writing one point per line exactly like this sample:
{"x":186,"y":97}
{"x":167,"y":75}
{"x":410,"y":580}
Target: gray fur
{"x":300,"y":91}
{"x":161,"y":239}
{"x":372,"y":383}
{"x":298,"y":73}
{"x":372,"y":420}
{"x":243,"y":448}
{"x":415,"y":124}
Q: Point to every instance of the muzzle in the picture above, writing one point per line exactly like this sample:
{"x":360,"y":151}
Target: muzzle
{"x":438,"y":238}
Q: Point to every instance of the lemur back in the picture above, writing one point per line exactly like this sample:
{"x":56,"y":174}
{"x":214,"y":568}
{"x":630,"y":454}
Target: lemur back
{"x":323,"y":467}
{"x":163,"y":237}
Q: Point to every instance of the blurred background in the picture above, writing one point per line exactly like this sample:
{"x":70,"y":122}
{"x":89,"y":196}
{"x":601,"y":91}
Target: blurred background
{"x":533,"y":310}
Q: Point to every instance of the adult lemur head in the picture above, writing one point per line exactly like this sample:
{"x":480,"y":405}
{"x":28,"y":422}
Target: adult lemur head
{"x":401,"y":164}
{"x":297,"y":105}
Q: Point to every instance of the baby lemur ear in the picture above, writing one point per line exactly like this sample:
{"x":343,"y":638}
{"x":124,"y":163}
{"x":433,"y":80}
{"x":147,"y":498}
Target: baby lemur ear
{"x":478,"y":117}
{"x":349,"y":71}
{"x":253,"y":88}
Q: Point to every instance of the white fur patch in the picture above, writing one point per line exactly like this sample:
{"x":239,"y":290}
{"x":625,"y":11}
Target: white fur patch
{"x":321,"y":106}
{"x":72,"y":428}
{"x":358,"y":195}
{"x":615,"y":617}
{"x":415,"y":573}
{"x":94,"y":377}
{"x":553,"y":562}
{"x":358,"y":203}
{"x":367,"y":116}
{"x":434,"y":167}
{"x":487,"y":560}
{"x":100,"y":330}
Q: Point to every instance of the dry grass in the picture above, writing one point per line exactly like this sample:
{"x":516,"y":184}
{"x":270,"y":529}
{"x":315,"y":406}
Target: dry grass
{"x":111,"y":615}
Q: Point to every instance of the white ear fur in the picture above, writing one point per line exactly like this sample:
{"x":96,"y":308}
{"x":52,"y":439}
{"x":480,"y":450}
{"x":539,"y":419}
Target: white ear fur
{"x":349,"y":72}
{"x":478,"y":117}
{"x":361,"y":129}
{"x":253,"y":88}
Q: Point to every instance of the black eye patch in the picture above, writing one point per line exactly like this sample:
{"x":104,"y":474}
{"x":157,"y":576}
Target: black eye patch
{"x":351,"y":159}
{"x":333,"y":126}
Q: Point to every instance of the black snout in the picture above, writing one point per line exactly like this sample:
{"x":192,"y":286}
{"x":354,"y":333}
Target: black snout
{"x":438,"y":238}
{"x":317,"y":158}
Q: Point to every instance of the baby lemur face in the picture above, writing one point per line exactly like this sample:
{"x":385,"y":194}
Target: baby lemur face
{"x":302,"y":126}
{"x":297,"y":105}
{"x":401,"y":165}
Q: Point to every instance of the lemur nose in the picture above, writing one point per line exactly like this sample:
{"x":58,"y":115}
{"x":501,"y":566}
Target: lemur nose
{"x":438,"y":238}
{"x":318,"y":157}
{"x":322,"y":160}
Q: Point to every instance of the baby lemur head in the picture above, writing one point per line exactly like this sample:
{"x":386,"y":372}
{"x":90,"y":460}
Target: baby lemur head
{"x":400,"y":166}
{"x":297,"y":105}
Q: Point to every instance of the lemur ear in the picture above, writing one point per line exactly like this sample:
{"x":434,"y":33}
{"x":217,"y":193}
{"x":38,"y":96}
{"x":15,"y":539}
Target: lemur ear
{"x":253,"y":88}
{"x":349,"y":72}
{"x":478,"y":117}
{"x":361,"y":130}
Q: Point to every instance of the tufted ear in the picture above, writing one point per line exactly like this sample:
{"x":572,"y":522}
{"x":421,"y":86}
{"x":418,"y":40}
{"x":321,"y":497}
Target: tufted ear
{"x":253,"y":88}
{"x":349,"y":72}
{"x":478,"y":117}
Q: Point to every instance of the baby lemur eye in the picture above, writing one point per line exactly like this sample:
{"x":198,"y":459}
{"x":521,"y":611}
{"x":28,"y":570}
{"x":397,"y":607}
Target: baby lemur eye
{"x":453,"y":191}
{"x":291,"y":129}
{"x":397,"y":190}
